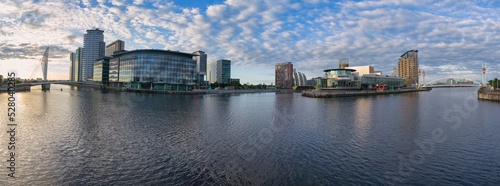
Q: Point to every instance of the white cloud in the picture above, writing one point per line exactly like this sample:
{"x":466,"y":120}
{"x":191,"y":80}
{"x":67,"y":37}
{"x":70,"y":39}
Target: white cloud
{"x":312,"y":34}
{"x":138,"y":2}
{"x":216,"y":11}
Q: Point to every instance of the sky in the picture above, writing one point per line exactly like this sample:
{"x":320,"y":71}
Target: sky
{"x":454,"y":37}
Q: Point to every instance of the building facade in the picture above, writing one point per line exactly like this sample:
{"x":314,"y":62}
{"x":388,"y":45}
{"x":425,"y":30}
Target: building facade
{"x":212,"y":72}
{"x":339,"y":78}
{"x":93,"y":48}
{"x":379,"y":82}
{"x":224,"y":71}
{"x":115,"y":46}
{"x":201,"y":62}
{"x":283,"y":75}
{"x":362,"y":70}
{"x":299,"y":79}
{"x":408,"y":68}
{"x":101,"y":70}
{"x":152,"y":69}
{"x":201,"y":66}
{"x":72,"y":59}
{"x":220,"y":71}
{"x":78,"y":64}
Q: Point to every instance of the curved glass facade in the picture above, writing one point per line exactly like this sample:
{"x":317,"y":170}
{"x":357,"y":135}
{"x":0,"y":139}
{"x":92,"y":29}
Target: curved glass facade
{"x":153,"y":69}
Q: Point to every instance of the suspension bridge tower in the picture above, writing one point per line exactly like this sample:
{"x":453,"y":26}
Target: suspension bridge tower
{"x":45,"y":61}
{"x":484,"y":75}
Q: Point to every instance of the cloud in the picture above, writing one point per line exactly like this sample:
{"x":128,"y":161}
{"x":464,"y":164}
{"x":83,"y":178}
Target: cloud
{"x":311,"y":34}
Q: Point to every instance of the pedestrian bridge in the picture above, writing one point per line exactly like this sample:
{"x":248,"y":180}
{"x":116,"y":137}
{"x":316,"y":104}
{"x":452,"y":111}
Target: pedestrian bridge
{"x":452,"y":82}
{"x":46,"y":84}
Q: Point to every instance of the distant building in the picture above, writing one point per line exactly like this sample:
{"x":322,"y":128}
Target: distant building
{"x":408,"y":67}
{"x":78,"y":64}
{"x":212,"y":72}
{"x":235,"y":81}
{"x":152,"y":69}
{"x":201,"y":65}
{"x":362,"y":70}
{"x":220,"y":71}
{"x":379,"y":82}
{"x":339,"y":78}
{"x":72,"y":59}
{"x":93,"y":48}
{"x":101,"y":70}
{"x":115,"y":46}
{"x":283,"y":75}
{"x":299,"y":79}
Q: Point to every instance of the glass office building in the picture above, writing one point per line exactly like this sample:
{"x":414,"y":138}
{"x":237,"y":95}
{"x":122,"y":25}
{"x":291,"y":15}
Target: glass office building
{"x":153,"y":70}
{"x":371,"y":82}
{"x":101,"y":70}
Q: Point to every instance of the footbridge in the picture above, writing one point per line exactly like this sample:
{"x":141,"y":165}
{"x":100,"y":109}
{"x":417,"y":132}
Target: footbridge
{"x":452,"y":82}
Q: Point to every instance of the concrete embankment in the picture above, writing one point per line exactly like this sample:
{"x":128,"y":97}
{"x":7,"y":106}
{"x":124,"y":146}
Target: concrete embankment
{"x":334,"y":94}
{"x":489,"y":95}
{"x":18,"y":88}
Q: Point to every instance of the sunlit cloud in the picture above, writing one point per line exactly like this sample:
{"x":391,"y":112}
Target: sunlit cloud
{"x":453,"y":38}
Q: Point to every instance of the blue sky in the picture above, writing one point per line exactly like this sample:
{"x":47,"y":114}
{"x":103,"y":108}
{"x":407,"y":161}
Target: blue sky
{"x":453,"y":37}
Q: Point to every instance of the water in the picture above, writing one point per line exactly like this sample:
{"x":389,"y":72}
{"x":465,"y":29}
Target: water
{"x":79,"y":136}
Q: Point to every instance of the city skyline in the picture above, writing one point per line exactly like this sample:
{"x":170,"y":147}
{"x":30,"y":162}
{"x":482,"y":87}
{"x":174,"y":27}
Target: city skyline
{"x":453,"y":38}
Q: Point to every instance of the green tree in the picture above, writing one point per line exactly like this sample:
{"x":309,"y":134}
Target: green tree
{"x":1,"y":79}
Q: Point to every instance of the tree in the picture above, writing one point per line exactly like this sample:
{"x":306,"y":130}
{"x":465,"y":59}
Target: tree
{"x":1,"y":79}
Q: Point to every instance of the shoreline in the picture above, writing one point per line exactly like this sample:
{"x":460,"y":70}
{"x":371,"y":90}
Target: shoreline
{"x":337,"y":94}
{"x":181,"y":92}
{"x":490,"y":95}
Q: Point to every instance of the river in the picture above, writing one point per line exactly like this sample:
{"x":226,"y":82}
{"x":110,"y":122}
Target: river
{"x":84,"y":137}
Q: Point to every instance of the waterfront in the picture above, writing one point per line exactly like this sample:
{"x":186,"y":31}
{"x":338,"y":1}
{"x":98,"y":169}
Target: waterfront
{"x":75,"y":137}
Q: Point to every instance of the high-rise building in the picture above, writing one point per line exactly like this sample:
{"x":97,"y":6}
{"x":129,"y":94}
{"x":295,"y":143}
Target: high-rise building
{"x":201,"y":65}
{"x":72,"y":59}
{"x":219,"y":71}
{"x":284,"y":75}
{"x":78,"y":64}
{"x":224,"y":71}
{"x":93,"y":48}
{"x":115,"y":46}
{"x":408,"y":67}
{"x":299,"y":79}
{"x":212,"y":72}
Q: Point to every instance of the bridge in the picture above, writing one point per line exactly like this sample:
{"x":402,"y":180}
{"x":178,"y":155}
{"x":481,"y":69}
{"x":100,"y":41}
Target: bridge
{"x":452,"y":82}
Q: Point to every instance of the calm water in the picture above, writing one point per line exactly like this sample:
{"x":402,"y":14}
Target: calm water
{"x":74,"y":137}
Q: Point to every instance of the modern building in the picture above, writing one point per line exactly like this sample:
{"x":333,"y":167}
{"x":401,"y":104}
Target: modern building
{"x":283,"y":75}
{"x":115,"y":46}
{"x":299,"y":79}
{"x":212,"y":72}
{"x":408,"y":68}
{"x":93,"y":48}
{"x":362,"y":70}
{"x":379,"y":82}
{"x":235,"y":81}
{"x":78,"y":64}
{"x":339,"y":78}
{"x":101,"y":70}
{"x":201,"y":66}
{"x":220,"y":71}
{"x":152,"y":69}
{"x":72,"y":59}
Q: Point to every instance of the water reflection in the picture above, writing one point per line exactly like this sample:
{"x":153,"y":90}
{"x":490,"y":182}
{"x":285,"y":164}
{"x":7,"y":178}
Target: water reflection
{"x":94,"y":138}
